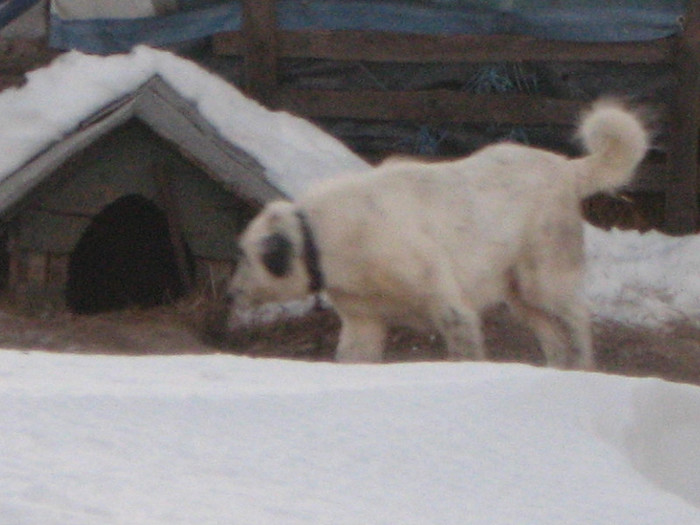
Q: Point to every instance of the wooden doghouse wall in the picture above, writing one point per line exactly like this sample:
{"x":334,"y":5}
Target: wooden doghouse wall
{"x":129,"y":160}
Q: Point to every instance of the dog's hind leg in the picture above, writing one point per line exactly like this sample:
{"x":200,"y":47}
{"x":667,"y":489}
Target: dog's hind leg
{"x":559,"y":319}
{"x":577,"y":321}
{"x":564,"y":336}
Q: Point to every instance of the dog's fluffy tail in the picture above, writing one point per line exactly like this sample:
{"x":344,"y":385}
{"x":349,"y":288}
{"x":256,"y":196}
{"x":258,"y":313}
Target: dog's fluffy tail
{"x":616,"y":141}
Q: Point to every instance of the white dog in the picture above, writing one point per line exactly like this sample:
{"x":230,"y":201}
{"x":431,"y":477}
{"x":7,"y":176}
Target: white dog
{"x":436,"y":243}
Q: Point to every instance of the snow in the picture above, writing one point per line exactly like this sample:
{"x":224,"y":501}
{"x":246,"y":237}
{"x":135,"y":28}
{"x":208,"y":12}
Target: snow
{"x":224,"y":439}
{"x":643,"y":279}
{"x":211,"y":439}
{"x":57,"y":98}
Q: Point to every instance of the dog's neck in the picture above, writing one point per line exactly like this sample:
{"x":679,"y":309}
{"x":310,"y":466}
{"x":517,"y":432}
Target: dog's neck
{"x":310,"y":255}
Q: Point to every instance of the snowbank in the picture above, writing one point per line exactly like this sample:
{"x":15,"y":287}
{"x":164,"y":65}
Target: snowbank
{"x":74,"y":86}
{"x":217,"y":439}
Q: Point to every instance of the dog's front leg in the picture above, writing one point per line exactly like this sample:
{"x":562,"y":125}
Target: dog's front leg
{"x":361,"y":340}
{"x":461,"y":329}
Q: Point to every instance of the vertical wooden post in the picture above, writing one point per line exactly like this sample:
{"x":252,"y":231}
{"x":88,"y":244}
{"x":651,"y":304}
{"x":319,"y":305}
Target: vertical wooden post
{"x":260,"y":35}
{"x":684,"y":124}
{"x":168,"y":200}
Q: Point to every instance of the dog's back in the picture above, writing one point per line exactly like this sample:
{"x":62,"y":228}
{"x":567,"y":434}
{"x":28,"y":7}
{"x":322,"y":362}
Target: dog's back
{"x":482,"y":210}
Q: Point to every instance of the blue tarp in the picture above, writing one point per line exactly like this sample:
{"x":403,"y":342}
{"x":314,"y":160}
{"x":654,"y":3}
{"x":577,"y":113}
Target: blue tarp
{"x":573,"y":20}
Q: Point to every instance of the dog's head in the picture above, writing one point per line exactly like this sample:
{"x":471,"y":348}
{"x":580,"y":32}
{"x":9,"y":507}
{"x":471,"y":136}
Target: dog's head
{"x":270,"y":266}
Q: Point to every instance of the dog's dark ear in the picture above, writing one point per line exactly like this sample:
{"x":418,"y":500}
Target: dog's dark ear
{"x":277,"y":254}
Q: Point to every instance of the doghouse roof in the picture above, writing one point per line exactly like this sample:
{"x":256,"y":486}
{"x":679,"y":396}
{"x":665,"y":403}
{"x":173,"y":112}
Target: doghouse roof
{"x":68,"y":105}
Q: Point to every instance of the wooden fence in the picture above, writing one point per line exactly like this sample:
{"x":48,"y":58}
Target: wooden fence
{"x":262,"y":43}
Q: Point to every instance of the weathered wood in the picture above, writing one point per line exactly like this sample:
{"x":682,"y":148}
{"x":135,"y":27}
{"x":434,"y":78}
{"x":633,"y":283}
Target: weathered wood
{"x":684,"y":121}
{"x":376,"y":46}
{"x":260,"y":37}
{"x":230,"y":43}
{"x":168,"y":200}
{"x":651,"y":176}
{"x":36,"y":269}
{"x":678,"y":178}
{"x":7,"y":81}
{"x":435,"y":106}
{"x":46,"y":231}
{"x":57,"y":269}
{"x":18,"y":56}
{"x":179,"y":122}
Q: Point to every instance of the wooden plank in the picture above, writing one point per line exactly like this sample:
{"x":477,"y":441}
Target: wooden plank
{"x":57,"y":267}
{"x":179,"y":122}
{"x":229,"y":43}
{"x":37,"y":271}
{"x":684,"y":121}
{"x":7,"y":81}
{"x":260,"y":47}
{"x":19,"y":55}
{"x":168,"y":200}
{"x":46,"y":231}
{"x":375,"y":46}
{"x":651,"y":177}
{"x":436,"y":106}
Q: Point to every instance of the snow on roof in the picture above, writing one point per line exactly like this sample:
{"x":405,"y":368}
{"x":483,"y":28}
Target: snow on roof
{"x":57,"y":98}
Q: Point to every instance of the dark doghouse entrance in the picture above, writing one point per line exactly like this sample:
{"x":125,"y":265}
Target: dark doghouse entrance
{"x":125,"y":258}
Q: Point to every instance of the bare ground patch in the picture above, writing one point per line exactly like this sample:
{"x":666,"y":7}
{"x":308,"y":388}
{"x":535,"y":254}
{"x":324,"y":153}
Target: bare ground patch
{"x":672,"y":353}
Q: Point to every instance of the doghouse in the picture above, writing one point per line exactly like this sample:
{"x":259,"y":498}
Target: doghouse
{"x":137,"y":206}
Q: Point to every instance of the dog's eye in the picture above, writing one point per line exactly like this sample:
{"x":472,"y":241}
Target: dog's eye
{"x":276,"y":254}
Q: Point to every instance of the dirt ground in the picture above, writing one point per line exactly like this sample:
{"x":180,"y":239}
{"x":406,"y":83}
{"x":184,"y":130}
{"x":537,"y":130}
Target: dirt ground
{"x":673,"y":353}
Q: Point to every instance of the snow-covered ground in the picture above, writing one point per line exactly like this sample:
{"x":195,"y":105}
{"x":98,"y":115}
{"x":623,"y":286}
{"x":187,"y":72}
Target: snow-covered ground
{"x":643,"y":279}
{"x":223,"y":439}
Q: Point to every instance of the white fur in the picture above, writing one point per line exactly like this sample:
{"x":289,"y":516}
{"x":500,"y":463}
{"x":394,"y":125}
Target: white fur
{"x":436,"y":243}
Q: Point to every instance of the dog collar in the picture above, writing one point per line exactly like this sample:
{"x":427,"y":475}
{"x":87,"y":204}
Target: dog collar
{"x":310,"y":255}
